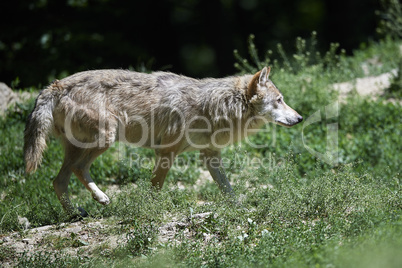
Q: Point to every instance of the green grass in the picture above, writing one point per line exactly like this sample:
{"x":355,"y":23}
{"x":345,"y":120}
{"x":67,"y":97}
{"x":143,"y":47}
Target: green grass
{"x":296,"y":210}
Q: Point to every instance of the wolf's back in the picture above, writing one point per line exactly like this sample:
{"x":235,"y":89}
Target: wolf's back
{"x":38,"y":126}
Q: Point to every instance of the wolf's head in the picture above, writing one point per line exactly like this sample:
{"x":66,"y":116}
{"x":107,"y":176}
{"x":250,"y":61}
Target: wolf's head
{"x":268,"y":101}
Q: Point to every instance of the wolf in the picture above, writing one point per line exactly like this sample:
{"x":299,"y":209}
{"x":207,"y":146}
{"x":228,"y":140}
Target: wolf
{"x":163,"y":111}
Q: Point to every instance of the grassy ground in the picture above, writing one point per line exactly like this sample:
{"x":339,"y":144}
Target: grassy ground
{"x":296,"y":210}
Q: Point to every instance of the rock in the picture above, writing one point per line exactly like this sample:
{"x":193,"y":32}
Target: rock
{"x":79,"y":243}
{"x":169,"y":231}
{"x":366,"y":86}
{"x":201,"y":215}
{"x":74,"y":230}
{"x":95,"y":225}
{"x":43,"y":228}
{"x":27,"y":241}
{"x":24,"y":222}
{"x":7,"y":97}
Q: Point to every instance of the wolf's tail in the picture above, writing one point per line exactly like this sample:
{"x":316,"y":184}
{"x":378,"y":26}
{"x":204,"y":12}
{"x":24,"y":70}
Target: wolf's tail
{"x":38,"y":126}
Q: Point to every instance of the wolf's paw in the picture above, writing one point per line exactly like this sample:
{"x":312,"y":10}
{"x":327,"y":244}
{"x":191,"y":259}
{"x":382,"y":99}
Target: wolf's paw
{"x":77,"y":214}
{"x":101,"y":198}
{"x":82,"y":212}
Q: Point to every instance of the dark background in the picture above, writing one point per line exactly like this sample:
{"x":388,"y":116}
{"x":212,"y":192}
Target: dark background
{"x":45,"y":39}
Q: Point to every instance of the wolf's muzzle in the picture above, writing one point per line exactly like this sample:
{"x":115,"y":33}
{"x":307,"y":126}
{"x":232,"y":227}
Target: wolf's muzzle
{"x":299,"y":118}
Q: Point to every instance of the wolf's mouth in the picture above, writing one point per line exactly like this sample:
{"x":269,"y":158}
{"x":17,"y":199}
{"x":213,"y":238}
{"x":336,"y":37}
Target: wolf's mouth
{"x":285,"y":125}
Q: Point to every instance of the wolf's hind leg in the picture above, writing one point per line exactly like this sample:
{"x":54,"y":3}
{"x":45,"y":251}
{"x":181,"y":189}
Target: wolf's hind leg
{"x":62,"y":179}
{"x":81,"y":170}
{"x":60,"y":185}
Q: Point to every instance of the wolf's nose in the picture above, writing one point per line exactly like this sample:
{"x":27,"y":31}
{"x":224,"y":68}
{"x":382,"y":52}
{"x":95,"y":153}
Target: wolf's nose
{"x":300,"y":118}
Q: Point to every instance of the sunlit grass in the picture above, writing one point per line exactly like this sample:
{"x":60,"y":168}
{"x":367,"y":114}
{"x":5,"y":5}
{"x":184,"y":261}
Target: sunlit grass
{"x":294,"y":211}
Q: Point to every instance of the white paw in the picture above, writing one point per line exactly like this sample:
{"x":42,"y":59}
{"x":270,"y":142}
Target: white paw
{"x":101,"y":198}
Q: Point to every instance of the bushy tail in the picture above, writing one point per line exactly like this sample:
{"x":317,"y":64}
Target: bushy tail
{"x":38,"y":126}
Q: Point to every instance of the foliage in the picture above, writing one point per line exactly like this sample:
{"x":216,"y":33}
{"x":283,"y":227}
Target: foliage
{"x":306,"y":55}
{"x":40,"y":41}
{"x":391,"y":26}
{"x":48,"y":259}
{"x":395,"y":90}
{"x":390,"y":18}
{"x":295,"y":210}
{"x":367,"y":130}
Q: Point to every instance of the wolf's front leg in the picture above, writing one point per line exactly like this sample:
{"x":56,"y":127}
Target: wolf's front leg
{"x":163,"y":163}
{"x":212,"y":159}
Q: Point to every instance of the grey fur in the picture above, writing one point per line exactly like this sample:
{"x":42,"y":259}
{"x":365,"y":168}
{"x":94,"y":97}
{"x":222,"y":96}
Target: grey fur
{"x":167,"y":112}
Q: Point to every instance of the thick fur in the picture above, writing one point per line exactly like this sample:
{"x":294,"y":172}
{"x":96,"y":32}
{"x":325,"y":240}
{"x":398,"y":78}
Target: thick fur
{"x":39,"y":124}
{"x":91,"y":110}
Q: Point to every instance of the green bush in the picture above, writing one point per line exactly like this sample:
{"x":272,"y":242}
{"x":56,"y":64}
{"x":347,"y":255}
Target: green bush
{"x":367,"y":130}
{"x":295,"y":210}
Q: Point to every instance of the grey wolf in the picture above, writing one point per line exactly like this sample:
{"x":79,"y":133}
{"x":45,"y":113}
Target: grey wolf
{"x":163,"y":111}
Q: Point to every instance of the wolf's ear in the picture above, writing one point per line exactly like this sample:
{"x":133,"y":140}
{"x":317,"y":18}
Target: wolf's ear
{"x":260,"y":78}
{"x":264,"y":76}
